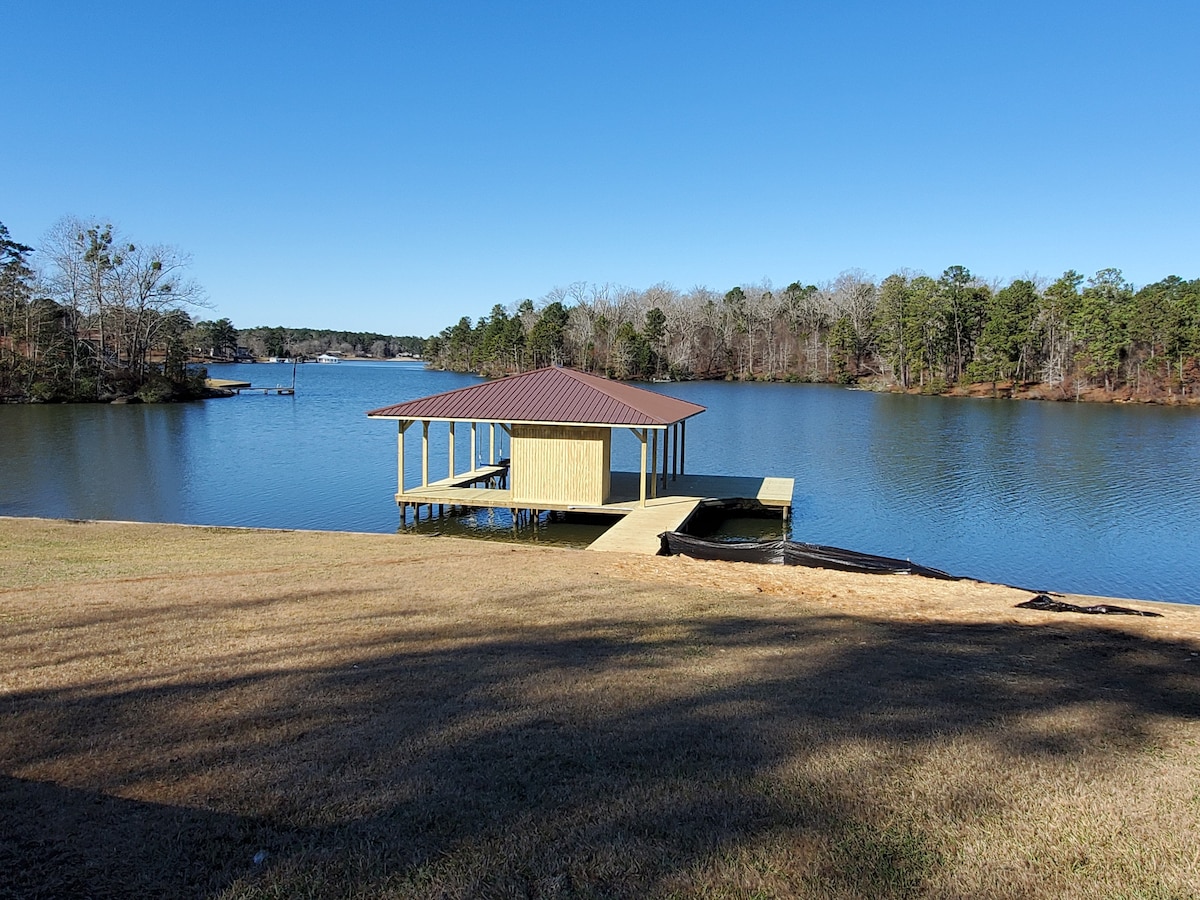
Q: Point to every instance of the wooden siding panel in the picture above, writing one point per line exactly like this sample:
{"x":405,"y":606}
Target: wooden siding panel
{"x":558,"y":464}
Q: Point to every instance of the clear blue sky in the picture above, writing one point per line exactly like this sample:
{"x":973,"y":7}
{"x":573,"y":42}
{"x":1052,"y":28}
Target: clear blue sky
{"x":393,"y":166}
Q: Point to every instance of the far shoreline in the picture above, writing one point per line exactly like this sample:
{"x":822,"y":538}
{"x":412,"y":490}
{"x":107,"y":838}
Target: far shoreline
{"x":1000,"y":390}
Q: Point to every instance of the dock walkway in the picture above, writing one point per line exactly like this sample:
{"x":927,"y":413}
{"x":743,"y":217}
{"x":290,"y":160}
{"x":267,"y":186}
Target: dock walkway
{"x":638,"y":530}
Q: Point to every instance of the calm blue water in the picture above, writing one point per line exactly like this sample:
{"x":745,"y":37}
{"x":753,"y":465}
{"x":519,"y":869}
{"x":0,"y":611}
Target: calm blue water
{"x":1077,"y":498}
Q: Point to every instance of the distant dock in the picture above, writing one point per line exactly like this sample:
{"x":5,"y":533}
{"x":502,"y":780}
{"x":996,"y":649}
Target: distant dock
{"x":245,"y":387}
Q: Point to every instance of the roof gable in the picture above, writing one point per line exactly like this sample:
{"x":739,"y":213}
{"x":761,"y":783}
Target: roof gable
{"x":550,"y":395}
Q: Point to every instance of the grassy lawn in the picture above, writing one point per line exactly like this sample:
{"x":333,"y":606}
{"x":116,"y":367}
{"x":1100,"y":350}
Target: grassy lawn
{"x":221,"y":713}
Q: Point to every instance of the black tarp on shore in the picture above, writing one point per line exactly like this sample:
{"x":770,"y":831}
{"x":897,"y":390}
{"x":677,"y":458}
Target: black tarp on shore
{"x":792,"y":553}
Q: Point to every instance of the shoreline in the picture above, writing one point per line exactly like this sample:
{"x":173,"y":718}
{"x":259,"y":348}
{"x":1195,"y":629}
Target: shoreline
{"x":753,"y":577}
{"x":1046,"y":393}
{"x":1001,"y":390}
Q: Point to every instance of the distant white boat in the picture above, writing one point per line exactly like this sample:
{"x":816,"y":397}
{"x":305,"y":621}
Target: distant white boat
{"x":329,"y":358}
{"x":280,"y":359}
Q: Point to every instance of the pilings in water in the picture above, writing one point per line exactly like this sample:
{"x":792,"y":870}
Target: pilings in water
{"x":521,"y":517}
{"x":458,"y":495}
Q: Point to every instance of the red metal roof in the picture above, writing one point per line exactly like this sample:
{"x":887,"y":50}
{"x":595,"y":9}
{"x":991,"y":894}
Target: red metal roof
{"x":547,"y":396}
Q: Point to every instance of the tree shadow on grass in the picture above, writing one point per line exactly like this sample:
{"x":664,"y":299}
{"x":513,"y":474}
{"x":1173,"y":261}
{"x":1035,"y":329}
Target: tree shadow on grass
{"x":58,"y":842}
{"x":587,"y":758}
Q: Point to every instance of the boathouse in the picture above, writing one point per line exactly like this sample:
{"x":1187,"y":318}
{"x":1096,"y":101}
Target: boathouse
{"x":559,"y":423}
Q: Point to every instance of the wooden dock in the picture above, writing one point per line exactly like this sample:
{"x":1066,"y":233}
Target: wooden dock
{"x":245,"y":387}
{"x":637,"y":531}
{"x":461,"y":490}
{"x":638,"y":527}
{"x":560,"y":424}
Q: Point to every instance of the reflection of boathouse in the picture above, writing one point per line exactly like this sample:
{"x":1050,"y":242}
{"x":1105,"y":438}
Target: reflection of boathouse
{"x":560,"y":425}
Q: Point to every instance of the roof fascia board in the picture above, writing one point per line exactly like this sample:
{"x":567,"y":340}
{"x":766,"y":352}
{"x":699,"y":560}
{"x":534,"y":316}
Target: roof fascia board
{"x":657,"y":427}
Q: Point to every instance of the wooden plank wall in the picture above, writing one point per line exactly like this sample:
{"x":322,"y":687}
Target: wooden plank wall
{"x":560,"y":464}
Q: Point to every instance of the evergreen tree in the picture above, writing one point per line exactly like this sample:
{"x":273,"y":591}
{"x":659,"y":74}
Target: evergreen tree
{"x":1100,"y":324}
{"x":1008,"y":331}
{"x":547,"y":339}
{"x":16,"y":292}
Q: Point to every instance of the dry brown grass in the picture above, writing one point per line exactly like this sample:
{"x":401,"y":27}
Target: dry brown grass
{"x":412,"y":717}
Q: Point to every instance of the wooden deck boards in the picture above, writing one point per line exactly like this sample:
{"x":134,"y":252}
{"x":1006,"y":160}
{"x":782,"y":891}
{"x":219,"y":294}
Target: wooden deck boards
{"x":775,"y":492}
{"x":456,"y":491}
{"x":639,"y":527}
{"x":638,"y":530}
{"x":225,"y":383}
{"x":466,"y":479}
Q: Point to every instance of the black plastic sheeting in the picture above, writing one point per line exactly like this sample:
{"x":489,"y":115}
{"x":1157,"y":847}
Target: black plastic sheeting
{"x":1041,"y":601}
{"x":792,"y":553}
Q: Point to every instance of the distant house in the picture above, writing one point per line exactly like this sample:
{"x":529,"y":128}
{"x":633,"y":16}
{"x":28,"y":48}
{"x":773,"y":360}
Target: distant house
{"x":330,"y":357}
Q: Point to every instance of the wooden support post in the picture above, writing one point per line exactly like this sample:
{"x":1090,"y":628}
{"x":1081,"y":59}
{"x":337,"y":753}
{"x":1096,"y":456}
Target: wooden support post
{"x":474,"y":448}
{"x":654,"y":463}
{"x":491,"y":443}
{"x":451,"y":449}
{"x":400,"y":456}
{"x":666,"y":440}
{"x":683,"y":448}
{"x":642,"y":480}
{"x":675,"y":452}
{"x":425,"y":453}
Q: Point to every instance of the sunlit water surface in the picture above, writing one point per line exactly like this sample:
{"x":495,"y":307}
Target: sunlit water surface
{"x":1072,"y":497}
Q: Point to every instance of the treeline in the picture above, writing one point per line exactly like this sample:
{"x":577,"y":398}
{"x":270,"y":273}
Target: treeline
{"x":97,"y":316}
{"x":278,"y":341}
{"x":911,"y":331}
{"x":93,"y":315}
{"x":219,"y":340}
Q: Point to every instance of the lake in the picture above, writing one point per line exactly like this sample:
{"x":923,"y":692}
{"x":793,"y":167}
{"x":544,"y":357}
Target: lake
{"x":1085,"y":498}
